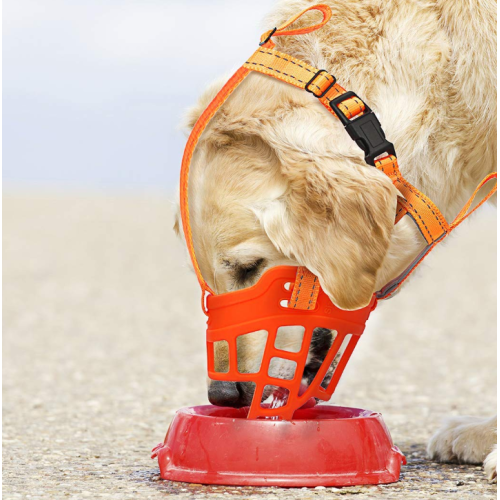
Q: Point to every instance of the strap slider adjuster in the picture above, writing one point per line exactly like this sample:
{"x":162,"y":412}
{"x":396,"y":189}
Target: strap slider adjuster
{"x":365,"y":130}
{"x":311,"y":82}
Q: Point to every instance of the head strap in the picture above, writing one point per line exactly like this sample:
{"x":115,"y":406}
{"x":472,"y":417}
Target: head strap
{"x":208,"y":114}
{"x":363,"y":127}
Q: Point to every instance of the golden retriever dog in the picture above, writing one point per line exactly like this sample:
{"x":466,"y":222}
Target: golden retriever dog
{"x":276,"y":180}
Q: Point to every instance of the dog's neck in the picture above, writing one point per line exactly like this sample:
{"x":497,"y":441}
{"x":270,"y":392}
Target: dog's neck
{"x":406,"y":244}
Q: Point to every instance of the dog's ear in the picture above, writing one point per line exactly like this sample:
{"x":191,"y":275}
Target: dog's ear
{"x":336,"y":217}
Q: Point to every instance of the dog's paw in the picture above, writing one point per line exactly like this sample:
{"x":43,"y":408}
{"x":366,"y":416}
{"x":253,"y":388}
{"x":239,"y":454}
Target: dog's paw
{"x":490,"y":466}
{"x":465,"y":440}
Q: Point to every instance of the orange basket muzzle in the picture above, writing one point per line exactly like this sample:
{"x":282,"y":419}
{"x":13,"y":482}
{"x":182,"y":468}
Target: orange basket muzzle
{"x":265,"y":307}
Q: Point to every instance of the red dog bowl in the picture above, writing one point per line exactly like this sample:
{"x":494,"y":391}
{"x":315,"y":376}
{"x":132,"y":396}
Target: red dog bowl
{"x":321,"y":446}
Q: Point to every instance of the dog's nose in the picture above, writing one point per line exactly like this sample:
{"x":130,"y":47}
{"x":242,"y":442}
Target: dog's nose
{"x":222,"y":393}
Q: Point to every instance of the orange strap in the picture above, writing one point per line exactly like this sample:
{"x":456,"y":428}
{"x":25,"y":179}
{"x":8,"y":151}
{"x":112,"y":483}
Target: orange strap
{"x":324,"y":87}
{"x":198,"y":129}
{"x":281,"y":31}
{"x":305,"y":290}
{"x":205,"y":118}
{"x":426,"y":215}
{"x":464,"y":213}
{"x":390,"y":288}
{"x":300,"y":74}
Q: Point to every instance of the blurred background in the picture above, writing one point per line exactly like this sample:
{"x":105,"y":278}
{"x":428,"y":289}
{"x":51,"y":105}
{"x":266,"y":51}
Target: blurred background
{"x":103,"y":332}
{"x":94,"y":90}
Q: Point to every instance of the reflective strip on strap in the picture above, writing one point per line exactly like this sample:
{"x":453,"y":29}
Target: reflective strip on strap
{"x":305,"y":290}
{"x":426,"y":215}
{"x":390,"y":288}
{"x":299,"y":74}
{"x":194,"y":136}
{"x":321,"y":84}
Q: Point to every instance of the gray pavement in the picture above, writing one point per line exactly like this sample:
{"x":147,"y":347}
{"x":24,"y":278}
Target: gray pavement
{"x":104,"y":340}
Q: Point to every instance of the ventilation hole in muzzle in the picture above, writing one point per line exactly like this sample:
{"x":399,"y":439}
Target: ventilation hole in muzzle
{"x":221,"y":356}
{"x":251,"y":347}
{"x":274,"y":396}
{"x":284,"y":303}
{"x":289,"y":338}
{"x":333,"y":365}
{"x":282,"y":368}
{"x":287,"y":286}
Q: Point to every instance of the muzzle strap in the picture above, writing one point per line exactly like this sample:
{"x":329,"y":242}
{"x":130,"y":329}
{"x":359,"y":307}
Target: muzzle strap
{"x":305,"y":290}
{"x":363,"y":127}
{"x":426,"y":215}
{"x":352,"y":111}
{"x":304,"y":76}
{"x":192,"y":141}
{"x":393,"y":286}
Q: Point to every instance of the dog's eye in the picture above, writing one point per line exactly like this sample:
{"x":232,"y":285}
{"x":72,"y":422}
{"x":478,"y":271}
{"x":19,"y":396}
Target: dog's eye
{"x":246,"y":272}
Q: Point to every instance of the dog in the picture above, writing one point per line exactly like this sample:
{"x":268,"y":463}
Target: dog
{"x":276,"y":181}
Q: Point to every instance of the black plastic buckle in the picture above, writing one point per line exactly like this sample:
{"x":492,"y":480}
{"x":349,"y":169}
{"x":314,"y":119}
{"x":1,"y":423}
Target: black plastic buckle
{"x":268,"y":37}
{"x":365,"y":130}
{"x":314,"y":78}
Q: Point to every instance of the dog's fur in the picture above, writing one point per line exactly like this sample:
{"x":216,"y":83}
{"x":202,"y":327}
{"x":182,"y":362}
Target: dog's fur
{"x":276,"y":180}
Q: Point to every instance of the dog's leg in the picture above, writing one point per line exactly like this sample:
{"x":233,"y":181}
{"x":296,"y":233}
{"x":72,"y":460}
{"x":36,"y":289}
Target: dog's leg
{"x":468,"y":440}
{"x":490,"y":465}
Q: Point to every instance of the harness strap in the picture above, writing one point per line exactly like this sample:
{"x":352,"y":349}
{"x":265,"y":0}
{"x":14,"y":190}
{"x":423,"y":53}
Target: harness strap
{"x":363,"y":127}
{"x":426,"y":215}
{"x":192,"y":141}
{"x":390,"y":288}
{"x":205,"y":118}
{"x":322,"y":85}
{"x":281,"y":31}
{"x":305,"y":291}
{"x":304,"y":76}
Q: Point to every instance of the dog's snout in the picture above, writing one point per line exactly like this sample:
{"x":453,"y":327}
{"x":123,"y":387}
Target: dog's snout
{"x":222,"y":393}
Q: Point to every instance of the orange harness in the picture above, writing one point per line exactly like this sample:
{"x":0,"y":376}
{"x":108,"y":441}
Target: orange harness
{"x":365,"y":129}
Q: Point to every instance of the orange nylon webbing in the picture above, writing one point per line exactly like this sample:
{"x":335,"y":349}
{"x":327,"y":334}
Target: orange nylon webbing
{"x":324,"y":9}
{"x":423,"y":211}
{"x":390,"y":288}
{"x":198,"y":129}
{"x":202,"y":123}
{"x":464,"y":213}
{"x":427,"y":216}
{"x":305,"y":290}
{"x":268,"y":61}
{"x":298,"y":73}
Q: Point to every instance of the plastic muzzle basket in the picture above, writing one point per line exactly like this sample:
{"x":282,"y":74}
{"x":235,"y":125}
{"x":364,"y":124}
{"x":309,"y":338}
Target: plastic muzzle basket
{"x":264,"y":306}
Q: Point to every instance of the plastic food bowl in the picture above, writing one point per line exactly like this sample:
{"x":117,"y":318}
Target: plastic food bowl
{"x":321,"y":446}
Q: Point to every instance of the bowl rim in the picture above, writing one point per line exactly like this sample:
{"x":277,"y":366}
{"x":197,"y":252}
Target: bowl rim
{"x":363,"y":414}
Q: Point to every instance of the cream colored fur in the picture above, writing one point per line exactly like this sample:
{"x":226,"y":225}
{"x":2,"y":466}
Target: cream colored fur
{"x":468,"y":440}
{"x":276,"y":179}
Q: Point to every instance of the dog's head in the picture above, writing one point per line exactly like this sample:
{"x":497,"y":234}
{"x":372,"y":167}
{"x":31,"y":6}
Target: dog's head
{"x":275,"y":180}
